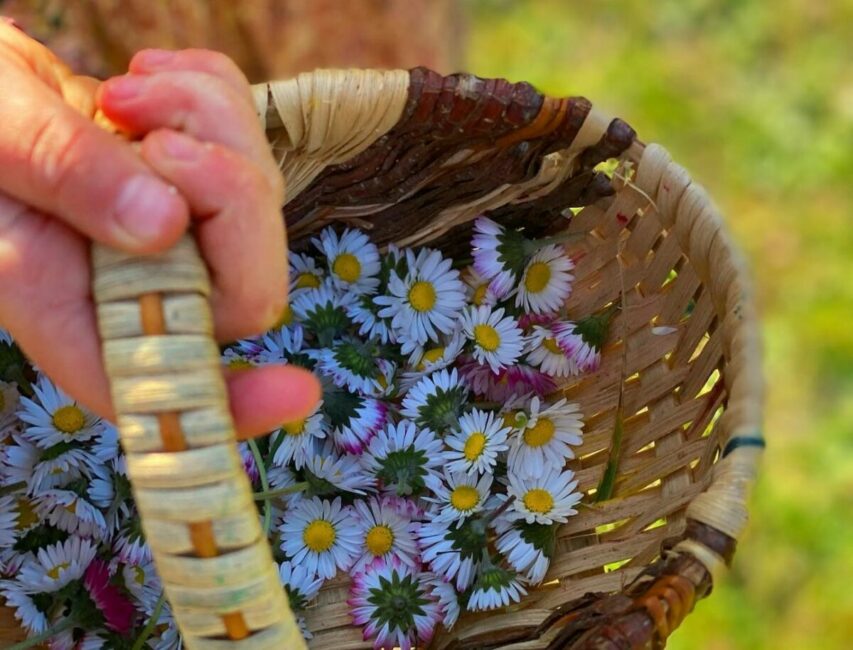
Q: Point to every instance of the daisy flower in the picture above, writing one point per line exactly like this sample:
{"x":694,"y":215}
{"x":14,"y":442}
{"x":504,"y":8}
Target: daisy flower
{"x":300,"y":584}
{"x":545,"y":439}
{"x":499,"y":255}
{"x":436,"y":401}
{"x":54,"y":417}
{"x":544,"y":352}
{"x":435,"y":355}
{"x":353,"y":365}
{"x":294,"y":441}
{"x":280,"y":344}
{"x":384,"y":532}
{"x":544,"y":499}
{"x":582,"y":341}
{"x":304,"y":272}
{"x":43,"y":470}
{"x":478,"y":293}
{"x":355,"y":419}
{"x":396,"y":608}
{"x":105,"y":446}
{"x":546,"y":282}
{"x":426,"y":301}
{"x":117,"y":610}
{"x":401,"y":456}
{"x":320,"y":536}
{"x":352,"y":258}
{"x":453,"y":553}
{"x":475,"y":446}
{"x":68,"y":511}
{"x":497,"y":340}
{"x":322,"y":311}
{"x":447,"y":597}
{"x":458,"y":495}
{"x":5,"y":337}
{"x":328,"y":471}
{"x":26,"y":611}
{"x":528,"y":548}
{"x":364,"y":313}
{"x":495,"y":587}
{"x":129,"y":545}
{"x":56,"y":565}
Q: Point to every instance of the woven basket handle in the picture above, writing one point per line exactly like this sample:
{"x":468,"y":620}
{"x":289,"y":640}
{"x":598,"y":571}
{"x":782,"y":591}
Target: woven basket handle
{"x":194,"y":498}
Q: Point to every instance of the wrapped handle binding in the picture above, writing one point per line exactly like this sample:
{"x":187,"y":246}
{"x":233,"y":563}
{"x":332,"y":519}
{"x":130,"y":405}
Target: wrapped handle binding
{"x":193,"y":496}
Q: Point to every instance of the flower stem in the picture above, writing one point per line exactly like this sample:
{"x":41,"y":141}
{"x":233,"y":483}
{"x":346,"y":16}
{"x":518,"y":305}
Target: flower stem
{"x":272,"y":494}
{"x":265,"y":484}
{"x":152,"y":622}
{"x":33,"y":641}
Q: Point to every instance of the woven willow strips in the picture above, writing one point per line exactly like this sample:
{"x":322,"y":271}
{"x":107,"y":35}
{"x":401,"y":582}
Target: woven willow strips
{"x":683,"y":353}
{"x":196,"y":504}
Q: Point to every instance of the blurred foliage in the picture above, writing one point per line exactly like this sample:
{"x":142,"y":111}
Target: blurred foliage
{"x":756,"y":99}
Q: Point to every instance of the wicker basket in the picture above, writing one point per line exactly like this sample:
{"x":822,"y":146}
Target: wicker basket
{"x":414,"y":157}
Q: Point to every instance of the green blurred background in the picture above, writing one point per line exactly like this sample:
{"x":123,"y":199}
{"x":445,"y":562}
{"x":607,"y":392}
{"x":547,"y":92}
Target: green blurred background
{"x":756,"y":99}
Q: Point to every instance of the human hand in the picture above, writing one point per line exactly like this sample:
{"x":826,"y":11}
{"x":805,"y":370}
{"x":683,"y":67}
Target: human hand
{"x":64,"y":181}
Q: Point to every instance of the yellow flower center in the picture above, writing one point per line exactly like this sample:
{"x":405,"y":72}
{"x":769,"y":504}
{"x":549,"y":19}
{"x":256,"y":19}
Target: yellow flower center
{"x":538,"y":500}
{"x":307,"y":281}
{"x":464,"y":498}
{"x":422,"y":296}
{"x":480,"y":294}
{"x":138,"y":575}
{"x":54,"y":572}
{"x":347,"y":267}
{"x":319,"y":536}
{"x":552,"y":347}
{"x":286,"y":317}
{"x":294,"y":428}
{"x":431,"y":356}
{"x":379,"y":540}
{"x":69,"y":418}
{"x":72,"y":507}
{"x":26,"y":514}
{"x":541,"y":434}
{"x":487,"y":337}
{"x":509,"y":419}
{"x":239,"y":363}
{"x":474,"y":446}
{"x":537,"y":278}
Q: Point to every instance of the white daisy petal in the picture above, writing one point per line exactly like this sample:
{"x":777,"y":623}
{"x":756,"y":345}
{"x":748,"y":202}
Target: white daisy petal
{"x":320,"y":535}
{"x":546,"y":438}
{"x":544,"y":499}
{"x":497,"y":340}
{"x":546,"y":282}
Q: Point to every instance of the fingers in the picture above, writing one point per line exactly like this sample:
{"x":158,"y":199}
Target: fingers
{"x":265,"y":397}
{"x":45,"y":303}
{"x":242,"y":236}
{"x":58,"y":161}
{"x":193,"y":60}
{"x":199,"y":104}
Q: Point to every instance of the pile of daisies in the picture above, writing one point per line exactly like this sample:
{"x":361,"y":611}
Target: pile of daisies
{"x":432,"y":476}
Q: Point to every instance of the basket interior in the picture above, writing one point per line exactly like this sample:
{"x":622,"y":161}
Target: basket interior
{"x":663,"y":372}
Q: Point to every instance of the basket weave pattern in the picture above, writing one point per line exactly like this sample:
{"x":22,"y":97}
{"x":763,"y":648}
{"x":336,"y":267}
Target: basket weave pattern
{"x":414,"y":157}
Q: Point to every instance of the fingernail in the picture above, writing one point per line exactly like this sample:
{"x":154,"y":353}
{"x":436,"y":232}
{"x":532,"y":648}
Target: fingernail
{"x":144,"y":208}
{"x":126,"y":87}
{"x":180,"y":147}
{"x":156,"y":57}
